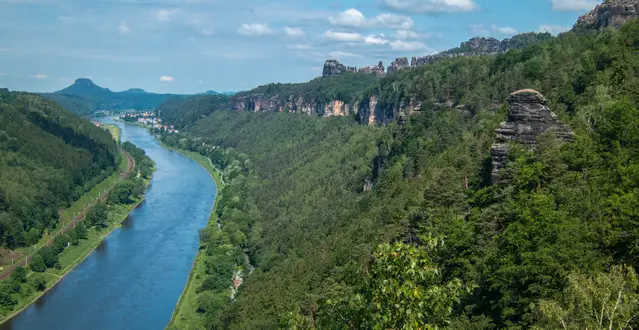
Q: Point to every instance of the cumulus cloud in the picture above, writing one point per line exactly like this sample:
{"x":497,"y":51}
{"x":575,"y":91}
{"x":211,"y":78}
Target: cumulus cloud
{"x":406,"y":34}
{"x":553,"y":29}
{"x":432,"y":6}
{"x":254,"y":30}
{"x":40,"y":76}
{"x":167,"y":79}
{"x":375,"y":40}
{"x":343,"y":36}
{"x":123,"y":28}
{"x":294,"y":32}
{"x":165,"y":15}
{"x":503,"y":29}
{"x":478,"y":29}
{"x":407,"y":45}
{"x":355,"y":18}
{"x":574,"y":5}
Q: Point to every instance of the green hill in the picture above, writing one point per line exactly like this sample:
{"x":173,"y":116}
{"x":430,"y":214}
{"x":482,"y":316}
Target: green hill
{"x":48,"y":158}
{"x":399,"y":226}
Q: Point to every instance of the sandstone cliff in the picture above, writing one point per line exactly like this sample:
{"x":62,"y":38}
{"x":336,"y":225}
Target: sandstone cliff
{"x":528,"y":117}
{"x":610,"y":13}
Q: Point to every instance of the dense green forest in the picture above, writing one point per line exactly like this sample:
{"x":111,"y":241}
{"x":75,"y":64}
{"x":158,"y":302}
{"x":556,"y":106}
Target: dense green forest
{"x":185,"y":112}
{"x":49,"y":157}
{"x":433,"y":244}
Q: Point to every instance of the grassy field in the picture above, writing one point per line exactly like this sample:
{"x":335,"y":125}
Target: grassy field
{"x":114,"y":130}
{"x":71,"y":257}
{"x":185,"y":315}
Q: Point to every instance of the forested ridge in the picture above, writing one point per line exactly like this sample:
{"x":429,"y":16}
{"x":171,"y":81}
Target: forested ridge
{"x":49,"y":157}
{"x":432,"y":243}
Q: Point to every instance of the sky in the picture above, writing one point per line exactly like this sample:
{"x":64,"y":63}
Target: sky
{"x":191,"y":46}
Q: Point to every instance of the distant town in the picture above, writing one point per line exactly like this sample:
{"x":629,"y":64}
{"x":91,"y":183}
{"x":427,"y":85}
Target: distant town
{"x":148,"y":118}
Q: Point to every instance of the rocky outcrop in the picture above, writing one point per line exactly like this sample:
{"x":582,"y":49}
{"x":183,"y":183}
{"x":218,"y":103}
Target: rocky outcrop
{"x":258,"y":102}
{"x":335,"y":68}
{"x":377,"y":69}
{"x":528,"y":117}
{"x":482,"y":47}
{"x":398,"y":64}
{"x":610,"y":13}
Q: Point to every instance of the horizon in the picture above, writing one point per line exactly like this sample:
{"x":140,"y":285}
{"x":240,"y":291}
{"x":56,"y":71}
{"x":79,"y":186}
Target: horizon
{"x":193,"y":46}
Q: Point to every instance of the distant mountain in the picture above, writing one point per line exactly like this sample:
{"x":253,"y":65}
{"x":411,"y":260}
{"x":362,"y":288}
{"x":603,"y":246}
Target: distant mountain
{"x":85,"y":97}
{"x":216,"y":93}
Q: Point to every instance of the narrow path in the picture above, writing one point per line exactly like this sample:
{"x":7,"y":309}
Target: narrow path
{"x":25,"y":260}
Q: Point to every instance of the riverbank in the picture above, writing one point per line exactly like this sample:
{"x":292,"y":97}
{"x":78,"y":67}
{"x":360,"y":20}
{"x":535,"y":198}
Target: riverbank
{"x":73,"y":255}
{"x":185,"y":315}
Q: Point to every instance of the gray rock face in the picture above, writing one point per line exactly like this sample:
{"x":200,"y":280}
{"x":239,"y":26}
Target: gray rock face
{"x":528,"y":117}
{"x":398,"y":64}
{"x":610,"y":13}
{"x":377,"y":69}
{"x":335,"y":68}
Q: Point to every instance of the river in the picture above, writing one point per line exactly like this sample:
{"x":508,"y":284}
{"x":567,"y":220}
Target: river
{"x":134,"y":278}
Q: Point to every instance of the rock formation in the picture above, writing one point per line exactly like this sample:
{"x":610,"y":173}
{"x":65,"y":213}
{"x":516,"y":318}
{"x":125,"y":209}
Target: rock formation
{"x":377,"y":69}
{"x":610,"y":13}
{"x":335,"y":68}
{"x":398,"y":64}
{"x":528,"y":117}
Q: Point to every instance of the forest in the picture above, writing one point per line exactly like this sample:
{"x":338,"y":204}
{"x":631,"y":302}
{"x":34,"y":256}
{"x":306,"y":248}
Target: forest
{"x":351,"y":226}
{"x":49,"y":157}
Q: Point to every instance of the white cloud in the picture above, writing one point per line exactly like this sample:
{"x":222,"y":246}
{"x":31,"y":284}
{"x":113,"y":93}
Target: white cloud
{"x":254,"y":30}
{"x":300,"y":47}
{"x":40,"y":76}
{"x":408,"y":45}
{"x":350,"y":17}
{"x":167,"y":79}
{"x":553,"y":29}
{"x":432,"y":6}
{"x":123,"y":28}
{"x":375,"y":40}
{"x":200,"y":82}
{"x":294,"y":32}
{"x":355,"y":18}
{"x":478,"y":29}
{"x":165,"y":15}
{"x":503,"y":29}
{"x":574,"y":5}
{"x":406,"y":34}
{"x":339,"y":54}
{"x":5,"y":50}
{"x":343,"y":36}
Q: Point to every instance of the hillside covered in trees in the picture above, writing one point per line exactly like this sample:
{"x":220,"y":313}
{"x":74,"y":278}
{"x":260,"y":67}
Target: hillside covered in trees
{"x":353,"y":226}
{"x":49,"y":157}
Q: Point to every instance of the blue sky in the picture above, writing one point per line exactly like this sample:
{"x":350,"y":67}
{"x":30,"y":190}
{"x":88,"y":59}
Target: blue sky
{"x":189,"y":46}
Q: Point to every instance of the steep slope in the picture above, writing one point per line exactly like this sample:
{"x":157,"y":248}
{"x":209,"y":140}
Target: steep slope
{"x":613,"y":13}
{"x":48,"y":158}
{"x":314,"y":196}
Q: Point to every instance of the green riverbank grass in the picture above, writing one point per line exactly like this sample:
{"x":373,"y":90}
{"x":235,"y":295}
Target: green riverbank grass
{"x":185,"y":315}
{"x":74,"y":254}
{"x":114,"y":130}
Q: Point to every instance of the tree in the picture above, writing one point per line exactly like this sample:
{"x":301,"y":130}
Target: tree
{"x":604,"y":301}
{"x":403,"y":289}
{"x":60,"y":243}
{"x":19,"y":274}
{"x":122,"y":193}
{"x":81,"y":230}
{"x":37,"y":263}
{"x":6,"y":300}
{"x":49,"y":256}
{"x":97,"y":216}
{"x":38,"y":282}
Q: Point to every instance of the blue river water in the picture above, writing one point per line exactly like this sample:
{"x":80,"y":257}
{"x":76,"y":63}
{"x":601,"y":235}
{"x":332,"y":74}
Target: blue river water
{"x":134,"y":278}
